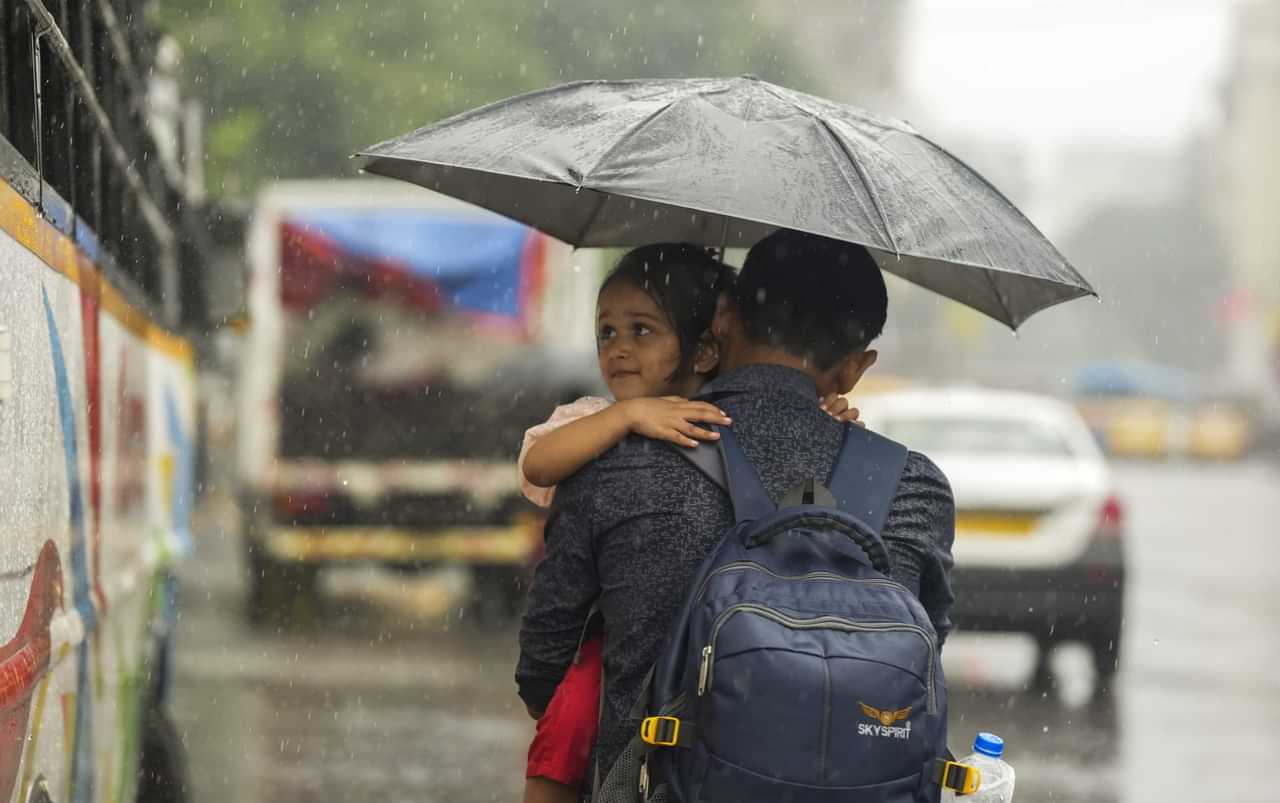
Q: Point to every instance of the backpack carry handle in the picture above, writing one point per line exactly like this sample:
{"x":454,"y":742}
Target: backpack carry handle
{"x":863,"y":484}
{"x":873,"y":548}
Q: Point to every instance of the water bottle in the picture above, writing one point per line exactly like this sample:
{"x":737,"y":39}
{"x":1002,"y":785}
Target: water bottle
{"x":997,"y":776}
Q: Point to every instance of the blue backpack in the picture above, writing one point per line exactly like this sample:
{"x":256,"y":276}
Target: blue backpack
{"x":796,"y":669}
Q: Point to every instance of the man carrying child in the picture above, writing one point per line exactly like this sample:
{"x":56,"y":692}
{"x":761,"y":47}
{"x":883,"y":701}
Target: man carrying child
{"x":627,"y":531}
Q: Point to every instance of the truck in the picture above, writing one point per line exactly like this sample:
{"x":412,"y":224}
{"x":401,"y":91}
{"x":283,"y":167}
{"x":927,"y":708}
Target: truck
{"x":398,"y":344}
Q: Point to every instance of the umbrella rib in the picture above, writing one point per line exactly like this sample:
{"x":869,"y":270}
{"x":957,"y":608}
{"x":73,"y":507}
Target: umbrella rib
{"x":591,"y":219}
{"x":803,"y":101}
{"x":1074,"y":275}
{"x":627,"y":135}
{"x":875,"y":198}
{"x":1014,"y":323}
{"x":857,"y":168}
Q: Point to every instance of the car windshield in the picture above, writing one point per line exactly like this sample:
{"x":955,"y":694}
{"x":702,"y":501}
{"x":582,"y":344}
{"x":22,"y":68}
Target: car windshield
{"x":978,"y":435}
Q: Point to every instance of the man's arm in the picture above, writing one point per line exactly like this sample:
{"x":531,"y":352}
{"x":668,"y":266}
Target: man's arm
{"x":920,"y":532}
{"x":565,"y":584}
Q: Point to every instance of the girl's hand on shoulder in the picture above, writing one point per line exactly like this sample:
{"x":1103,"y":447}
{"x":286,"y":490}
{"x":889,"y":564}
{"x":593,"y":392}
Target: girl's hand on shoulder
{"x":674,"y":419}
{"x":837,"y":407}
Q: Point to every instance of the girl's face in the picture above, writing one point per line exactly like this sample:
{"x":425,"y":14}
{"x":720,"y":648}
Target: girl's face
{"x":638,"y":347}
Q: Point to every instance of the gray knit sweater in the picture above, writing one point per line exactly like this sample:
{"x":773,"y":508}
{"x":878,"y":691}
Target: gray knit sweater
{"x":629,"y":530}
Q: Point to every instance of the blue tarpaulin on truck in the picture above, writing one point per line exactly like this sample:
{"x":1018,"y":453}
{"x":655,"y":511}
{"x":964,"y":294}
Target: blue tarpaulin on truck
{"x":487,"y":267}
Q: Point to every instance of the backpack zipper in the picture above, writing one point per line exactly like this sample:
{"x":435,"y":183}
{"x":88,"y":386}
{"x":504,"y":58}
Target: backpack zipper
{"x":819,"y":575}
{"x":703,"y":669}
{"x":817,"y":623}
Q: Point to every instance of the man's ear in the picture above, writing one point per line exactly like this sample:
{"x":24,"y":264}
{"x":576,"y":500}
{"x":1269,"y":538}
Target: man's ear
{"x":853,"y":367}
{"x":706,"y":358}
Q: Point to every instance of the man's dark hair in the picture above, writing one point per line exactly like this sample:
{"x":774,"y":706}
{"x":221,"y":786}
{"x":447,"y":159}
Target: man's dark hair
{"x":684,"y":281}
{"x":811,"y":296}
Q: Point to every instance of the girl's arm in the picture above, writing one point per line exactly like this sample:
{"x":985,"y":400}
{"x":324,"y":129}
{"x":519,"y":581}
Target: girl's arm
{"x":559,"y":454}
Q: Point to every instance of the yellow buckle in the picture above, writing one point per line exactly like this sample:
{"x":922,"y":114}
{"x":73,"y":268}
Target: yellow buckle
{"x":961,"y":778}
{"x":649,"y":733}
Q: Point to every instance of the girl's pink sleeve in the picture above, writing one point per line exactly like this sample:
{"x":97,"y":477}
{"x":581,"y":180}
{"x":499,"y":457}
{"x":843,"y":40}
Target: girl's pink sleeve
{"x":564,"y":414}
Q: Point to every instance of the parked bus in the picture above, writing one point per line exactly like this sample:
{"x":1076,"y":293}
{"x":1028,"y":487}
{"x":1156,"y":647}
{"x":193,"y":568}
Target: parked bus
{"x":99,"y":275}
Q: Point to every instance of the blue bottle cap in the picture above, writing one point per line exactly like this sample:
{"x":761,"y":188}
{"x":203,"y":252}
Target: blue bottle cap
{"x":988,"y":744}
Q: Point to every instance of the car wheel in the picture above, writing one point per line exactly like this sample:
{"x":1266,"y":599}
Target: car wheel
{"x":163,"y":776}
{"x":1106,"y":661}
{"x":1042,"y":680}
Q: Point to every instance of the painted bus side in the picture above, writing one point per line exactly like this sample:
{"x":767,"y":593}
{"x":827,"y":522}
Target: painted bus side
{"x":96,"y":467}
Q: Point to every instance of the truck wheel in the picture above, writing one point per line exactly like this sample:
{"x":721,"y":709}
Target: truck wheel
{"x":279,"y":593}
{"x":497,"y":593}
{"x":163,"y":776}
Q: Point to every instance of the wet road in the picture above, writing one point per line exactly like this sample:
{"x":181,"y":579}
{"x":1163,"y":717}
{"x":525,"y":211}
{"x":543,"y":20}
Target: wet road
{"x":399,"y":696}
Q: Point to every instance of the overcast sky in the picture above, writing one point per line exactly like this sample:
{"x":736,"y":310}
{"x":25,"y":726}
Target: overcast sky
{"x":1048,"y":71}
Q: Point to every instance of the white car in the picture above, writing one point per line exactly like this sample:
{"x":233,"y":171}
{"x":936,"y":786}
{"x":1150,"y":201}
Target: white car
{"x":1039,"y":529}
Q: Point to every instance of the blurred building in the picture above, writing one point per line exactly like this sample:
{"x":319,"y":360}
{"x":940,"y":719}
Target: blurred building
{"x":1250,"y":187}
{"x":1059,"y":186}
{"x":850,"y":50}
{"x":1132,"y":219}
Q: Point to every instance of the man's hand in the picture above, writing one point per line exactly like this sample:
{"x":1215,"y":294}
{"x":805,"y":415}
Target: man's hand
{"x":837,"y":407}
{"x":671,"y":418}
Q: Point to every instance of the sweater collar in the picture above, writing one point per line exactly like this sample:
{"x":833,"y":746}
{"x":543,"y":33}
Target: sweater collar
{"x":767,"y":378}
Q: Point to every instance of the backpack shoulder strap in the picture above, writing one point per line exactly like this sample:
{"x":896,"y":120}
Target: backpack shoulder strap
{"x":750,"y":499}
{"x":706,"y":458}
{"x":724,"y":464}
{"x":865,"y":478}
{"x":715,"y":396}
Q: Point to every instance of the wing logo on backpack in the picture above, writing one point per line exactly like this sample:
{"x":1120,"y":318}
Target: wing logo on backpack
{"x":885,"y":719}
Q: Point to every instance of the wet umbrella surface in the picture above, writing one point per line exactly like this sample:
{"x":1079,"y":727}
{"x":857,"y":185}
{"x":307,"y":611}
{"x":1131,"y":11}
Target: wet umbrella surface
{"x":725,"y":161}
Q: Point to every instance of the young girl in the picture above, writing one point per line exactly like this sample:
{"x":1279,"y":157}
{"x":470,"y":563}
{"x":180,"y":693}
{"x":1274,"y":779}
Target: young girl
{"x":653,"y":317}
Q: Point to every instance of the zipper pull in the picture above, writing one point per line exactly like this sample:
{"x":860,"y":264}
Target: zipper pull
{"x":704,"y":671}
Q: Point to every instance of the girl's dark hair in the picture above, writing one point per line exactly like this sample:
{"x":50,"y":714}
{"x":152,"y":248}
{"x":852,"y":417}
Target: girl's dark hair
{"x":684,"y":281}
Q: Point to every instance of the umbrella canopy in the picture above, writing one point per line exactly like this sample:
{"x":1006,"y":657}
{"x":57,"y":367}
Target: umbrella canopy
{"x":727,"y":161}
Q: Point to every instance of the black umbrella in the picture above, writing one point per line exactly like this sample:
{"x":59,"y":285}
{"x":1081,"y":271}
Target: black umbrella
{"x":726,"y":161}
